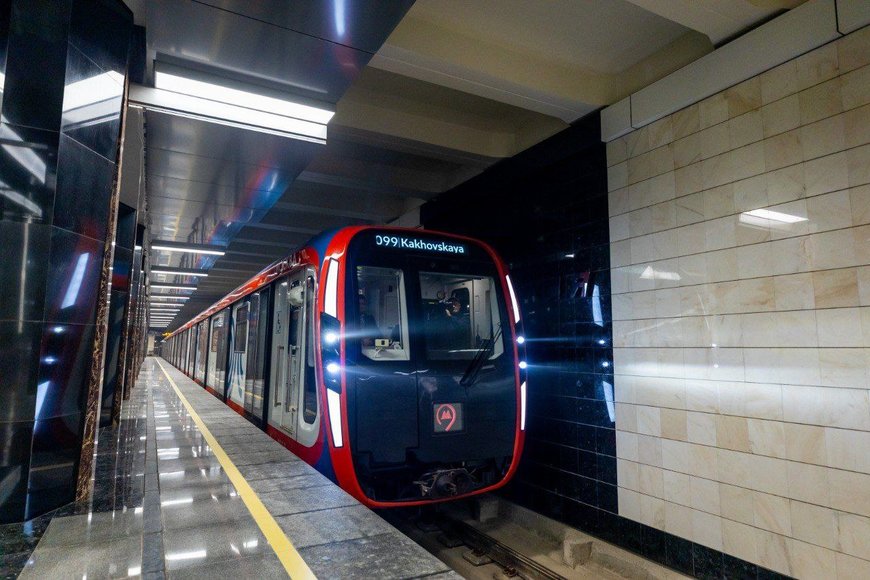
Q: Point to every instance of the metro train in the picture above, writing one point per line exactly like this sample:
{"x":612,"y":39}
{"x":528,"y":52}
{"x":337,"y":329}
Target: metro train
{"x":390,"y":359}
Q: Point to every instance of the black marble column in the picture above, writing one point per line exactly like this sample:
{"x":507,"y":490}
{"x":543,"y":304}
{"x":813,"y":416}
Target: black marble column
{"x":119,"y":293}
{"x":63,"y":65}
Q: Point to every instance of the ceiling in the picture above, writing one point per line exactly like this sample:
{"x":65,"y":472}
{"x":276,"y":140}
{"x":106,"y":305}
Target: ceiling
{"x":427,"y":94}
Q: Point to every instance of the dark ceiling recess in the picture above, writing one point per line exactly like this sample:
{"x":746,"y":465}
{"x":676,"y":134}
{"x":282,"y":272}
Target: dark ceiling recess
{"x":523,"y":204}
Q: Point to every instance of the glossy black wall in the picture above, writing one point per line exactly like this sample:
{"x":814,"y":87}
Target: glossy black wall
{"x":545,"y":212}
{"x":64,"y":63}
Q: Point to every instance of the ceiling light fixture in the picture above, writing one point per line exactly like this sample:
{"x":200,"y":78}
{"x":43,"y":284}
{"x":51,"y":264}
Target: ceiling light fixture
{"x":170,"y":246}
{"x":195,"y":94}
{"x":175,"y":286}
{"x":179,"y":272}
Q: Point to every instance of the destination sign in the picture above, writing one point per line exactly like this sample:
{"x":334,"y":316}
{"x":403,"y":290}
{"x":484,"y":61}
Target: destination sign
{"x":406,"y":243}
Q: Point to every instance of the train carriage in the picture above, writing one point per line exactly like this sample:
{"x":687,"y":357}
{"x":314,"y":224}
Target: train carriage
{"x":390,"y":359}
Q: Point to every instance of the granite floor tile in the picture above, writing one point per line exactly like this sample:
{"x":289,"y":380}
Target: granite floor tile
{"x":267,"y":485}
{"x":332,"y":525}
{"x":93,"y":528}
{"x":386,"y":556}
{"x":266,"y":566}
{"x":261,"y":457}
{"x":12,"y":563}
{"x":118,"y":558}
{"x":274,"y":470}
{"x":214,"y":543}
{"x":192,"y":514}
{"x":304,"y":499}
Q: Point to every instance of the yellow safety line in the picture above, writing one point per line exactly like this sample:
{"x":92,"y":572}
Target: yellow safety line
{"x":290,"y":558}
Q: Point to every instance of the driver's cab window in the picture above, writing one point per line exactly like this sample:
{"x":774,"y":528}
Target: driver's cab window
{"x":382,"y":320}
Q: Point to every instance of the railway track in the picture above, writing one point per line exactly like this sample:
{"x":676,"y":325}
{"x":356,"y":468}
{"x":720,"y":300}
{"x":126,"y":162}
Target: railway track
{"x":482,"y":546}
{"x":491,"y":539}
{"x":469,"y":551}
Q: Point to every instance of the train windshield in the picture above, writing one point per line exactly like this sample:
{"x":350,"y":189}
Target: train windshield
{"x":460,"y":315}
{"x":451,"y":305}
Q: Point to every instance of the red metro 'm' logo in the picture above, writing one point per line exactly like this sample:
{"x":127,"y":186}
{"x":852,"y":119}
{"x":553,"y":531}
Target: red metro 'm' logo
{"x":445,"y":415}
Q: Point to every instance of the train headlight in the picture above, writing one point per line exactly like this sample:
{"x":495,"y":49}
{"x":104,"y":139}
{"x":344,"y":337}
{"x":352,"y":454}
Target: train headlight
{"x":523,"y":364}
{"x":330,"y":350}
{"x":521,"y":339}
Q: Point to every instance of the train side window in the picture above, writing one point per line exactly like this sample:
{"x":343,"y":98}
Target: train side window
{"x":382,"y":319}
{"x":240,"y":343}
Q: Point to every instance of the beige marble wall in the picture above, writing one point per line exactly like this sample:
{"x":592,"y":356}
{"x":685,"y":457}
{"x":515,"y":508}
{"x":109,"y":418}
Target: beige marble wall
{"x":741,"y":341}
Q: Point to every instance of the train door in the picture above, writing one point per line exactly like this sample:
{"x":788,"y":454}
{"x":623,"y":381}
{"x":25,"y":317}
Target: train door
{"x":291,"y":336}
{"x":217,"y":348}
{"x":258,"y":329}
{"x":238,"y":353}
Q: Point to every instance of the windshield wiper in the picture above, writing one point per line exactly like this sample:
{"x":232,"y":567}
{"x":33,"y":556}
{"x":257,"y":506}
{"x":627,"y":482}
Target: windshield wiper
{"x":480,"y":357}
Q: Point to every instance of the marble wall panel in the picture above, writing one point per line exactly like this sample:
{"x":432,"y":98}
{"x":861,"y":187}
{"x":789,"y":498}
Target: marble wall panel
{"x":743,"y":372}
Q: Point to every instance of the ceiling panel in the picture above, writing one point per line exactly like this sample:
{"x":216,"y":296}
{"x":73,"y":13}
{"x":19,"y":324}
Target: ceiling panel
{"x":355,"y":23}
{"x":236,"y":44}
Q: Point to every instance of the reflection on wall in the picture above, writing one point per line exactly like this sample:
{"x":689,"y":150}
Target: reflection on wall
{"x":59,"y":129}
{"x":740,"y":247}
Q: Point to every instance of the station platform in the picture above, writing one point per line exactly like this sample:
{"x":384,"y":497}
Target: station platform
{"x":187,"y":488}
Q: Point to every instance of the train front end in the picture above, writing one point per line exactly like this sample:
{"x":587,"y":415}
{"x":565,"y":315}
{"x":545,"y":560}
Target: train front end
{"x":422,"y":364}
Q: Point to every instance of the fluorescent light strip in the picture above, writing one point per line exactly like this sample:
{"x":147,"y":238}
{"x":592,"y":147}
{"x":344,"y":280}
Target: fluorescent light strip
{"x":198,"y":273}
{"x":330,"y":305}
{"x":173,"y":287}
{"x":239,"y":98}
{"x":334,"y":401}
{"x":188,"y":249}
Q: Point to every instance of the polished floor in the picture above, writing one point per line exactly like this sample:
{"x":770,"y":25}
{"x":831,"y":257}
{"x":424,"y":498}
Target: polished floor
{"x":164,"y":505}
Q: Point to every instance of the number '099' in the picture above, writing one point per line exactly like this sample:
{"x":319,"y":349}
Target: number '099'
{"x":391,"y":241}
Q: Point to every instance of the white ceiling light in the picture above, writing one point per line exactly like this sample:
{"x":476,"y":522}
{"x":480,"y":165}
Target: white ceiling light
{"x":169,"y":246}
{"x":179,"y":272}
{"x":174,"y":286}
{"x":228,"y":91}
{"x":216,"y":99}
